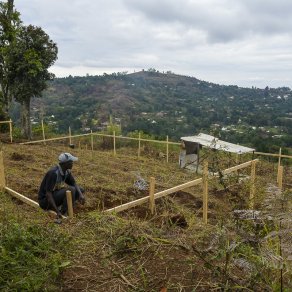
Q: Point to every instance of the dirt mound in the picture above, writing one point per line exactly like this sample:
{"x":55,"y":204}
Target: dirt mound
{"x":18,"y":157}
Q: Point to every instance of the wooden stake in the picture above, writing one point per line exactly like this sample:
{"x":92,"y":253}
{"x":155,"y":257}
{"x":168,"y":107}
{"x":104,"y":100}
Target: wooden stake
{"x":158,"y":195}
{"x":2,"y":173}
{"x":167,"y":148}
{"x":280,"y":178}
{"x":115,"y":143}
{"x":54,"y":139}
{"x":26,"y":200}
{"x":205,"y":193}
{"x":151,"y":195}
{"x":279,"y":164}
{"x":70,"y":137}
{"x":10,"y":130}
{"x":43,"y":130}
{"x":22,"y":198}
{"x":273,"y":155}
{"x":252,"y":185}
{"x":120,"y":137}
{"x":91,"y":144}
{"x":236,"y":162}
{"x":139,"y":145}
{"x":69,"y":204}
{"x":240,"y":166}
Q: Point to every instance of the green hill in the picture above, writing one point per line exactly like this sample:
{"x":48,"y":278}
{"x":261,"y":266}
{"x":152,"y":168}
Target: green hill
{"x":168,"y":104}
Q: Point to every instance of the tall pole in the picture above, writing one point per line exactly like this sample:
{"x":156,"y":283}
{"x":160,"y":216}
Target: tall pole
{"x":70,"y":138}
{"x":280,"y":177}
{"x":252,"y":185}
{"x":91,"y":136}
{"x":10,"y":130}
{"x":115,"y":143}
{"x":69,"y":204}
{"x":151,"y":195}
{"x":139,"y":145}
{"x":279,"y":164}
{"x":43,"y":130}
{"x":2,"y":173}
{"x":205,"y":192}
{"x":167,"y":148}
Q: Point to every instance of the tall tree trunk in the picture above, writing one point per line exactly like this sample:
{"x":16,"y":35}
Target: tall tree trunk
{"x":10,"y":7}
{"x":7,"y":26}
{"x":25,"y":119}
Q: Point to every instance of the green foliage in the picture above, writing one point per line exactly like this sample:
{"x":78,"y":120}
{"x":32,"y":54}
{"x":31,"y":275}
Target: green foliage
{"x":26,"y":53}
{"x":29,"y":59}
{"x":49,"y":130}
{"x":245,"y":261}
{"x":9,"y":27}
{"x":149,"y":146}
{"x":167,"y":104}
{"x":29,"y":256}
{"x":135,"y":134}
{"x":31,"y":55}
{"x":113,"y":128}
{"x":16,"y":133}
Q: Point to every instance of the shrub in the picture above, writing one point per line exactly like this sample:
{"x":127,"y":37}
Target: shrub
{"x":29,"y":256}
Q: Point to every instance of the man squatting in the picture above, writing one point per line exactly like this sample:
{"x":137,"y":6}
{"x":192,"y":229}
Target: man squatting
{"x":52,"y":192}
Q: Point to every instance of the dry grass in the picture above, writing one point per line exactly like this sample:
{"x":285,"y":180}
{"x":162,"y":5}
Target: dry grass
{"x":101,"y":174}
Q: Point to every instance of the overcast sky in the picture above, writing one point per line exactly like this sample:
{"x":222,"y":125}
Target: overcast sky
{"x":240,"y":42}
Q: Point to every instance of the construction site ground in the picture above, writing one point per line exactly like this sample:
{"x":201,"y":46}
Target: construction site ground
{"x":171,"y":250}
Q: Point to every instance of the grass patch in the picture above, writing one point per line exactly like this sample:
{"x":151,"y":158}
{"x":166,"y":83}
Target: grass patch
{"x":31,"y":255}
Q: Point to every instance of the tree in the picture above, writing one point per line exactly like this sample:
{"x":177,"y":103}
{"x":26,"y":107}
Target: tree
{"x":26,"y":53}
{"x":9,"y":26}
{"x":29,"y":59}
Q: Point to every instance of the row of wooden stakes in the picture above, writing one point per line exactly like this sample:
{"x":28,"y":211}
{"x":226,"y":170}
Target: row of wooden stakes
{"x":152,"y":195}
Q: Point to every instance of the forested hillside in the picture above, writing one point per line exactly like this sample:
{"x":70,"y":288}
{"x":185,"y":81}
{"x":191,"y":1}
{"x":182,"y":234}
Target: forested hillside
{"x":168,"y":104}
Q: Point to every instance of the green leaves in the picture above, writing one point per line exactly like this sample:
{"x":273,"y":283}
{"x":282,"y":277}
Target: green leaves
{"x":29,"y":256}
{"x":33,"y":61}
{"x":30,"y":56}
{"x":26,"y":53}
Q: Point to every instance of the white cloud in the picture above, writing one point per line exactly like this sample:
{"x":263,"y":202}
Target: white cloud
{"x":242,"y":42}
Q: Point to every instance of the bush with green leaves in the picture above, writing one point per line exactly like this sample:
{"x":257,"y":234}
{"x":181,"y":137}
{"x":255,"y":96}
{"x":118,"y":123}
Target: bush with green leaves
{"x":31,"y":256}
{"x":49,"y":131}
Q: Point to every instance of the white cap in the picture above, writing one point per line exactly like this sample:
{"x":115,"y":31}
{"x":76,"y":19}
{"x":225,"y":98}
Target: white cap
{"x":65,"y":157}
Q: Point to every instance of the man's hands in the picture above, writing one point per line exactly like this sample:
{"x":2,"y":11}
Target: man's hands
{"x":58,"y":219}
{"x":81,"y":199}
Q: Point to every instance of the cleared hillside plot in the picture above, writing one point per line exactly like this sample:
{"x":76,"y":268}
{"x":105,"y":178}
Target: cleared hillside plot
{"x":110,"y":180}
{"x":137,"y":251}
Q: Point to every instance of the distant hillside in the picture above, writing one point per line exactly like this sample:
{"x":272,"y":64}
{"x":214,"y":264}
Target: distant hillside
{"x":169,"y":104}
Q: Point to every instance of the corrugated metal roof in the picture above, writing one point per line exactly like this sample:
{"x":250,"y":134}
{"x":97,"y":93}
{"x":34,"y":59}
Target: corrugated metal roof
{"x":215,"y":143}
